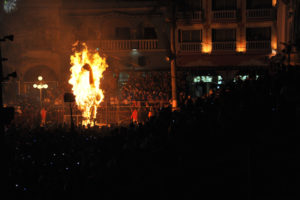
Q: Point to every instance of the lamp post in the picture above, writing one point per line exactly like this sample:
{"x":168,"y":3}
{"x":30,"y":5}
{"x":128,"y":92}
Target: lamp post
{"x":40,"y":85}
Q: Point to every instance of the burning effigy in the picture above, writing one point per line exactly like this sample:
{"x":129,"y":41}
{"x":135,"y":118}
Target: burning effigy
{"x":87,"y":69}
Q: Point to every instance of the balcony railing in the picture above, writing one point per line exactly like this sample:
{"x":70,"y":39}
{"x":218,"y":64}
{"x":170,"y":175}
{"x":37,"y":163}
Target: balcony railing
{"x":264,"y":45}
{"x":224,"y":46}
{"x":191,"y":15}
{"x":266,"y":13}
{"x":297,"y":59}
{"x":224,"y":15}
{"x":128,"y":44}
{"x":190,"y":47}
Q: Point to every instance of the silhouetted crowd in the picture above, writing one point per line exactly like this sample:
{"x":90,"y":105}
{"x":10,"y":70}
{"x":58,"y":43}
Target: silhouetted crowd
{"x":146,"y":87}
{"x":239,"y":141}
{"x":151,"y":86}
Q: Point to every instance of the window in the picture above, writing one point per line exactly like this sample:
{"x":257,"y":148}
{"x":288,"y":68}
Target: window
{"x":223,"y":35}
{"x":142,"y":60}
{"x":205,"y":79}
{"x":149,"y":33}
{"x":190,"y":35}
{"x":255,"y":34}
{"x":123,"y":33}
{"x":224,"y":4}
{"x":254,"y":4}
{"x":190,"y":5}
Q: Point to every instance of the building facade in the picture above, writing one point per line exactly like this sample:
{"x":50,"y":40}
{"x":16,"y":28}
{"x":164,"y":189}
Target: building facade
{"x":227,"y":35}
{"x":130,"y":34}
{"x":217,"y":38}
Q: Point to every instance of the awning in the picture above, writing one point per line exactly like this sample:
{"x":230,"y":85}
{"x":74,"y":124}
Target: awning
{"x":214,"y":60}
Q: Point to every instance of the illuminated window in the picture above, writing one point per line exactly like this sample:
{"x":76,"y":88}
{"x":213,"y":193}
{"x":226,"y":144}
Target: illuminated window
{"x":243,"y":77}
{"x":197,"y":79}
{"x":220,"y":80}
{"x":206,"y":79}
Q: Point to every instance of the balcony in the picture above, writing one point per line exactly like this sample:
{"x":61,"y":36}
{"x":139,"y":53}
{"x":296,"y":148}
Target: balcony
{"x":224,"y":15}
{"x":115,"y":45}
{"x":223,"y":46}
{"x":264,"y":45}
{"x":297,"y":59}
{"x":259,"y":14}
{"x":191,"y":16}
{"x":190,"y":47}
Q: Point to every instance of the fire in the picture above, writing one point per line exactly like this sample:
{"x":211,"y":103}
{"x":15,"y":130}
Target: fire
{"x":86,"y":73}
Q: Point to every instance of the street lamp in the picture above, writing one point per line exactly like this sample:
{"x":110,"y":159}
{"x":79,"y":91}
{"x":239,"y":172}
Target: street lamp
{"x":40,"y":85}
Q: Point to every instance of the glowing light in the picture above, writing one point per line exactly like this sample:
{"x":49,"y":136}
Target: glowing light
{"x":206,"y":48}
{"x":40,"y":78}
{"x":220,"y":80}
{"x":274,"y":52}
{"x":274,"y":2}
{"x":274,"y":44}
{"x":241,"y":47}
{"x":34,"y":85}
{"x":10,"y":5}
{"x":206,"y":79}
{"x":134,"y":52}
{"x":86,"y":72}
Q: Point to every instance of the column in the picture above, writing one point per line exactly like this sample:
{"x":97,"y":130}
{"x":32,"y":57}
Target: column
{"x":206,"y":40}
{"x":241,"y":29}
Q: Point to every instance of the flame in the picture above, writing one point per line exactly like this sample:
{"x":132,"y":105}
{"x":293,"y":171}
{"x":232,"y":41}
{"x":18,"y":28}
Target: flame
{"x":86,"y":72}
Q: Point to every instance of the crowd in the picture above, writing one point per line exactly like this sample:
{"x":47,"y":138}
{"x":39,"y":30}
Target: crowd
{"x":156,"y":87}
{"x":239,"y":141}
{"x":151,"y":86}
{"x":145,"y":92}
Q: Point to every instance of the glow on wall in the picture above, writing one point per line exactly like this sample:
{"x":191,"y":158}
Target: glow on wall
{"x":206,"y":48}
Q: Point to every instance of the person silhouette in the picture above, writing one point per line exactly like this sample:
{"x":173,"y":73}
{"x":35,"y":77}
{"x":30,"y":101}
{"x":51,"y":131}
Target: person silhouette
{"x":43,"y":116}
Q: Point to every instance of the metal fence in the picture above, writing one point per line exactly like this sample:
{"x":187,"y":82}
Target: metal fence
{"x":113,"y":114}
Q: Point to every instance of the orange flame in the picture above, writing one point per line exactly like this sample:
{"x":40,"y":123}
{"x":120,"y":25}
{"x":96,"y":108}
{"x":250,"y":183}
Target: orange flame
{"x":86,"y":72}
